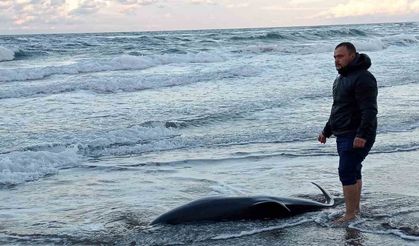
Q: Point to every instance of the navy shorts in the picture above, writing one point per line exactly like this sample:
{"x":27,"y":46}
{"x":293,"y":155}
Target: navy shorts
{"x":350,"y":159}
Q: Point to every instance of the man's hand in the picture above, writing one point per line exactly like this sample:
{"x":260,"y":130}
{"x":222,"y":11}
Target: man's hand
{"x":322,"y":138}
{"x":359,"y":143}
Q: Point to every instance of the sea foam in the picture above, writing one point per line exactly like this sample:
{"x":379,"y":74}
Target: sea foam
{"x":122,"y":62}
{"x":6,"y":54}
{"x":121,"y":82}
{"x":19,"y":167}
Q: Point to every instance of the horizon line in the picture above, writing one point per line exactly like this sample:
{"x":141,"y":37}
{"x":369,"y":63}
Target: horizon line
{"x":209,"y":29}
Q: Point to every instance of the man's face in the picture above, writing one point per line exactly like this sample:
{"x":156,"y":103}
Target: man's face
{"x":343,"y":57}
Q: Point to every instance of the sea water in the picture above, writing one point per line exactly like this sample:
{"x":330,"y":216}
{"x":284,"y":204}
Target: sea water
{"x":102,"y":132}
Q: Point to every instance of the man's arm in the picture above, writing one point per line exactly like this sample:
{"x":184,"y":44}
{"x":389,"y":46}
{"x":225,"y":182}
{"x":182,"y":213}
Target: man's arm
{"x":366,"y":97}
{"x":327,"y":130}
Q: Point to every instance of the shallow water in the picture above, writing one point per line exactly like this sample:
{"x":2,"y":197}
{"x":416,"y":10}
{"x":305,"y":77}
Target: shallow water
{"x":101,"y":133}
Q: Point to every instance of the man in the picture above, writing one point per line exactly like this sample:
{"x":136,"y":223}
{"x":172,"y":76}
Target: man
{"x":353,"y":120}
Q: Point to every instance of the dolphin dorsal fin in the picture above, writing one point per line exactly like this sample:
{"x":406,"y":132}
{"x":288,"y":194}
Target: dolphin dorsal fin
{"x":329,"y":199}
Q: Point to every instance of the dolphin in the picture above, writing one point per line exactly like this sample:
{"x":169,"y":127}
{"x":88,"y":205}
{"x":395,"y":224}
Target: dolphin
{"x":214,"y":209}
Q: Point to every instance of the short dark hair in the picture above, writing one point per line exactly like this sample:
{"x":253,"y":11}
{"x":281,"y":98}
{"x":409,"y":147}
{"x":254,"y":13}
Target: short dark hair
{"x":349,"y":46}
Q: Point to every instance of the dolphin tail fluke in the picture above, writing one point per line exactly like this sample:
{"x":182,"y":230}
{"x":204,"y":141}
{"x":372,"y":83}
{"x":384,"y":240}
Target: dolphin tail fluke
{"x":329,"y":199}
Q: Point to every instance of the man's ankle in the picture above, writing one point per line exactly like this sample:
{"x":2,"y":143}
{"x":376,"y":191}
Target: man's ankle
{"x":350,"y":215}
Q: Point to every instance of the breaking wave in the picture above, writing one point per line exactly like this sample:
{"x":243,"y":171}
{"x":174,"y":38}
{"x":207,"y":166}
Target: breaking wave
{"x":121,"y":83}
{"x":20,"y":167}
{"x":122,"y":62}
{"x":301,"y":35}
{"x":6,"y":54}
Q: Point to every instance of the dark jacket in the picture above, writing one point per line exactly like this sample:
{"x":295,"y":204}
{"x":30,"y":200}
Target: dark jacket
{"x":354,"y":106}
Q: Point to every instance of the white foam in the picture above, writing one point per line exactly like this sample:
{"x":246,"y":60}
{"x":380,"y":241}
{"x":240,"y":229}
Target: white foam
{"x":19,"y":167}
{"x":99,"y":143}
{"x":369,"y":45}
{"x":128,"y":140}
{"x":395,"y":232}
{"x":401,"y":39}
{"x":256,"y":231}
{"x":366,"y":45}
{"x":22,"y":166}
{"x":132,"y":148}
{"x":261,"y":48}
{"x":378,"y":44}
{"x":6,"y":54}
{"x":121,"y":83}
{"x":123,"y":62}
{"x":372,"y":44}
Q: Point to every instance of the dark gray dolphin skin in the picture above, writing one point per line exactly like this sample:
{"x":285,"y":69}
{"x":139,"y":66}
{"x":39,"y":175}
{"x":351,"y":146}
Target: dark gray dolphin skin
{"x":213,"y":209}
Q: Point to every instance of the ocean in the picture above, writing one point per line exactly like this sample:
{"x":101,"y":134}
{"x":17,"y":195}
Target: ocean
{"x":100,"y":133}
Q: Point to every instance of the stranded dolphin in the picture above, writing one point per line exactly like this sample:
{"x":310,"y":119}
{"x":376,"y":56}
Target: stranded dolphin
{"x":239,"y":208}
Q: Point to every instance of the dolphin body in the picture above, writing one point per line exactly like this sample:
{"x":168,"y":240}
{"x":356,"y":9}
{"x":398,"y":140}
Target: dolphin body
{"x":241,"y":208}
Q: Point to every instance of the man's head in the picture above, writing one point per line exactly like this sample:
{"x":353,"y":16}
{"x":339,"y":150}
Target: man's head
{"x":344,"y":54}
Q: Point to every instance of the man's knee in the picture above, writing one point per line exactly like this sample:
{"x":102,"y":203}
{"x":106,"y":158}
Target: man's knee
{"x":358,"y":174}
{"x":347,"y":177}
{"x":349,"y":167}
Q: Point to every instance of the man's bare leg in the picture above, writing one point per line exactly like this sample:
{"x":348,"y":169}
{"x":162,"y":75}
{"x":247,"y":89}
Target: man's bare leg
{"x":358,"y":204}
{"x":350,"y":193}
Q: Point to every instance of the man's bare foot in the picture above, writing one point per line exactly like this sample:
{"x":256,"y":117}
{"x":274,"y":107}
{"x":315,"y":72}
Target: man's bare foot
{"x":345,"y":218}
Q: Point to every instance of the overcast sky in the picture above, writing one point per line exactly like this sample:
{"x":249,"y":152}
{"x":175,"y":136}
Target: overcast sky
{"x":57,"y":16}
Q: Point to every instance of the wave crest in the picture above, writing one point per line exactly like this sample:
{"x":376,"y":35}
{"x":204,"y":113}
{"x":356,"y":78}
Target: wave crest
{"x":6,"y":54}
{"x":122,"y":83}
{"x":122,"y":62}
{"x":20,"y":167}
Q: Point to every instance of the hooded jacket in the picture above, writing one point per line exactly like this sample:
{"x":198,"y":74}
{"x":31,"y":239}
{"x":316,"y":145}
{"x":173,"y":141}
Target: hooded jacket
{"x":354,"y":106}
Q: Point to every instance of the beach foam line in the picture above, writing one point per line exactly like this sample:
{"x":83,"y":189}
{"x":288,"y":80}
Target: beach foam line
{"x":122,"y":62}
{"x":256,"y":231}
{"x":116,"y":142}
{"x":6,"y":54}
{"x":135,"y":140}
{"x":395,"y":232}
{"x":120,"y":83}
{"x":20,"y":167}
{"x":34,"y":162}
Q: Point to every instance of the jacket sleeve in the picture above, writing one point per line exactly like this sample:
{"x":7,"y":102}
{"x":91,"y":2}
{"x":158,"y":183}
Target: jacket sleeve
{"x":366,"y":97}
{"x":327,"y":130}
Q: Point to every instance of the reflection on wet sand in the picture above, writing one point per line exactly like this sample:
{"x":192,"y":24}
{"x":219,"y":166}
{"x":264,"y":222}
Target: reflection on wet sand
{"x":354,"y":237}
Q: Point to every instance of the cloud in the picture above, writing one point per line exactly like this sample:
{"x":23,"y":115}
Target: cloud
{"x":296,"y":2}
{"x":297,"y":5}
{"x":87,"y":8}
{"x":57,"y":2}
{"x":238,"y":5}
{"x":127,"y":1}
{"x":35,"y":1}
{"x":6,"y":4}
{"x":288,"y":8}
{"x":17,"y":14}
{"x":202,"y":2}
{"x":374,"y":7}
{"x":23,"y":12}
{"x":131,"y":6}
{"x":25,"y":16}
{"x":138,"y":2}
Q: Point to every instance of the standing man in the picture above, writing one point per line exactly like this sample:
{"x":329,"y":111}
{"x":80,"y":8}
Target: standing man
{"x":353,"y":120}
